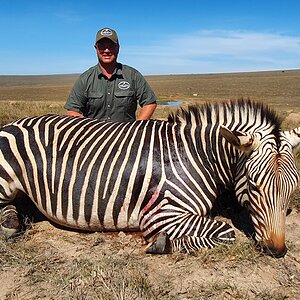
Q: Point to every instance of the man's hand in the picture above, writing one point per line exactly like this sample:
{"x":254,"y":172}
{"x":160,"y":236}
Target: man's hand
{"x":74,"y":113}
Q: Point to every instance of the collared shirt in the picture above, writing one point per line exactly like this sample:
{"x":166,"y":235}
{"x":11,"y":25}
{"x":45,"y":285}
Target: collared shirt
{"x":116,"y":99}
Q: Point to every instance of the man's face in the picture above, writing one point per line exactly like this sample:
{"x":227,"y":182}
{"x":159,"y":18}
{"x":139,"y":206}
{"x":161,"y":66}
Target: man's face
{"x":107,"y":51}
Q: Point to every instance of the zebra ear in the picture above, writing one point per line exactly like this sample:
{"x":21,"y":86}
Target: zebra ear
{"x":243,"y":141}
{"x":294,"y":137}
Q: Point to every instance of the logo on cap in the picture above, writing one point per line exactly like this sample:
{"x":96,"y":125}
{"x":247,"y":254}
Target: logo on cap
{"x":106,"y":32}
{"x":124,"y":85}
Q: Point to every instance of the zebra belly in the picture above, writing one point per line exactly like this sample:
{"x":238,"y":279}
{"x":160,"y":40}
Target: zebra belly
{"x":92,"y":221}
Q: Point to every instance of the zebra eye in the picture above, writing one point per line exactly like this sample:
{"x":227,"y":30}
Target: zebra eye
{"x":247,"y":204}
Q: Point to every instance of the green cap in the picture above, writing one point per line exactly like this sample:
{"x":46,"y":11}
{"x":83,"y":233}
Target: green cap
{"x":108,"y":34}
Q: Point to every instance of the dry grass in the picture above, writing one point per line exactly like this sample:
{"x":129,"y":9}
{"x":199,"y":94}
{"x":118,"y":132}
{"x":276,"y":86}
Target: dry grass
{"x":41,"y":270}
{"x":31,"y":95}
{"x":50,"y":263}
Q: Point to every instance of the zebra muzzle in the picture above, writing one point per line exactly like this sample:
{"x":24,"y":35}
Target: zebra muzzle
{"x":271,"y":249}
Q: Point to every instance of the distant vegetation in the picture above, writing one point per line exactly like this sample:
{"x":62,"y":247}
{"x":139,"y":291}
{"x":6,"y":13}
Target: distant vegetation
{"x":34,"y":95}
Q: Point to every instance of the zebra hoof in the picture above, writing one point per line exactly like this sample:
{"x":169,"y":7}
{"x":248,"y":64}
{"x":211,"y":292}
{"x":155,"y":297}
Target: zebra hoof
{"x":161,"y":245}
{"x":9,"y":221}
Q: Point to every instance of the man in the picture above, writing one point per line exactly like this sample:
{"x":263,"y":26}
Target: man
{"x":110,"y":90}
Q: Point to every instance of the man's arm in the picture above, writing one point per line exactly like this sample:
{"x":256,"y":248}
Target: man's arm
{"x":147,"y":111}
{"x":76,"y":101}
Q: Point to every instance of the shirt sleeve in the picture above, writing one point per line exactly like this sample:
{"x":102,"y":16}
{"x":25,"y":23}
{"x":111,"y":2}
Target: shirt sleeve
{"x":77,"y":99}
{"x":144,"y":93}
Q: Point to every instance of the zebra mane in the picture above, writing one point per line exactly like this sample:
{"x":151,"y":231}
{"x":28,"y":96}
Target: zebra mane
{"x":244,"y":110}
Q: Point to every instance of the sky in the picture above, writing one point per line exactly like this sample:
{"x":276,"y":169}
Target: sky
{"x":156,"y":37}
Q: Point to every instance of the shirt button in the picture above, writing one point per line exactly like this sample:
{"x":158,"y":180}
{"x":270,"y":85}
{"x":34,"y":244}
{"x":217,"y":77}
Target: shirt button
{"x":108,"y":105}
{"x":108,"y":93}
{"x":108,"y":118}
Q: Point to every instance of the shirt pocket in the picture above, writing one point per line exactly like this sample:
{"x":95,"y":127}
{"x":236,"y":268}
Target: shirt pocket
{"x":95,"y":102}
{"x":124,"y":99}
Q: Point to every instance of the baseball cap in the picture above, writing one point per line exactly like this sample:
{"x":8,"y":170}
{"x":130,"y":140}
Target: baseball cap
{"x":107,"y":33}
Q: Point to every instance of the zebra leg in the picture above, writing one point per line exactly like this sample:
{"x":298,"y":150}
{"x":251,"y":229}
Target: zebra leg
{"x":9,"y":221}
{"x":190,"y":236}
{"x":160,"y":245}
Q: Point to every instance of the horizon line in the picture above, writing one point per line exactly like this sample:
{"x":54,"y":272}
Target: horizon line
{"x":171,"y":74}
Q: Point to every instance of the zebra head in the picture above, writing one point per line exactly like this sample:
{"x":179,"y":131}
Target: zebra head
{"x":269,"y":177}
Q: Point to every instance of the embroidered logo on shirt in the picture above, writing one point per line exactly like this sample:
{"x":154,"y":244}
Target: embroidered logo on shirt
{"x":124,"y":85}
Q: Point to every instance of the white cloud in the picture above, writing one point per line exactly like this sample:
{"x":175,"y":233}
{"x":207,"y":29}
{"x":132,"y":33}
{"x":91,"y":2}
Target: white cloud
{"x":215,"y":51}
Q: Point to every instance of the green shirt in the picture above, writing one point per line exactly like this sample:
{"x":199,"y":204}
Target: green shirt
{"x":96,"y":96}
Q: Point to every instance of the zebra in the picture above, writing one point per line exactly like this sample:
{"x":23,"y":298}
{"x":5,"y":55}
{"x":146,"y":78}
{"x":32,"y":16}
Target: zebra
{"x":160,"y":177}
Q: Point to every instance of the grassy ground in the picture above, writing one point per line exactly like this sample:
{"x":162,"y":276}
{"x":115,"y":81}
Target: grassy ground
{"x":48,"y":262}
{"x":30,"y":95}
{"x":51,"y":263}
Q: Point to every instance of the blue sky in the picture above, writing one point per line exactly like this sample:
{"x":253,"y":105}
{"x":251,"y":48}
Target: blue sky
{"x":156,"y":37}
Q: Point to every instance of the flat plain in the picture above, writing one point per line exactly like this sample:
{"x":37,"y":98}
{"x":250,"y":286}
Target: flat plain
{"x":32,"y":95}
{"x":49,"y":262}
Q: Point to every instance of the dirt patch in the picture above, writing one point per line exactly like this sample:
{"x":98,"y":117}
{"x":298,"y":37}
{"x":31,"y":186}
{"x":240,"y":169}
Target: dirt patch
{"x":292,"y":120}
{"x":49,"y":262}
